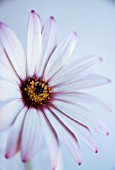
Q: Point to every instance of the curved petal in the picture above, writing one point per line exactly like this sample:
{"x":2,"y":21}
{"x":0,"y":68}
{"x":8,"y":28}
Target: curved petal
{"x":8,"y":91}
{"x":4,"y":58}
{"x":13,"y":142}
{"x":30,"y":142}
{"x":82,"y":98}
{"x":82,"y":114}
{"x":13,"y":49}
{"x":34,"y":42}
{"x":75,"y":70}
{"x":65,"y":135}
{"x":48,"y":43}
{"x":60,"y":164}
{"x":61,"y":55}
{"x":8,"y":75}
{"x":8,"y":113}
{"x":51,"y":140}
{"x":6,"y":70}
{"x":81,"y":131}
{"x":87,"y":82}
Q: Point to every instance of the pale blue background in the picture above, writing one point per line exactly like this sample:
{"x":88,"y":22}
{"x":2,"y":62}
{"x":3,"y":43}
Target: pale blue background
{"x":94,"y":21}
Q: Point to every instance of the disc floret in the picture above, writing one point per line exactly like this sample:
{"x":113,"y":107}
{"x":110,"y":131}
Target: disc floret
{"x":35,"y":92}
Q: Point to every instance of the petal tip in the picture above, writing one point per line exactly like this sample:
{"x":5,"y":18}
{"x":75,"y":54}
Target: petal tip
{"x":33,"y":14}
{"x":75,"y":33}
{"x":52,"y":18}
{"x":107,"y":133}
{"x":101,"y":59}
{"x":25,"y":158}
{"x":79,"y":163}
{"x":32,"y":11}
{"x":54,"y":169}
{"x":109,"y":81}
{"x":2,"y":25}
{"x":24,"y":161}
{"x":96,"y":150}
{"x":6,"y":156}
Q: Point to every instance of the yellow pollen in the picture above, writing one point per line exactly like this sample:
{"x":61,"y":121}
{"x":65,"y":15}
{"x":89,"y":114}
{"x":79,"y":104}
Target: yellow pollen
{"x":37,"y":91}
{"x":43,"y":85}
{"x":50,"y":91}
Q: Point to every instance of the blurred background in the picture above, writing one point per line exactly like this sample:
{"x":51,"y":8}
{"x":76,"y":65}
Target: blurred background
{"x":94,"y":21}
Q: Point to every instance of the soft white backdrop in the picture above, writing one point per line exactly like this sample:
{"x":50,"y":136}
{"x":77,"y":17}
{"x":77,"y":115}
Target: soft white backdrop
{"x":94,"y":21}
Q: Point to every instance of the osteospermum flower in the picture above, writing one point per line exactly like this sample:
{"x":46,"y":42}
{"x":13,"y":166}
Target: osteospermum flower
{"x":41,"y":92}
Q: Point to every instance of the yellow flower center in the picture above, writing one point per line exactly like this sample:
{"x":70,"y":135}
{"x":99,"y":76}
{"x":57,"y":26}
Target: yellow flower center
{"x":35,"y":92}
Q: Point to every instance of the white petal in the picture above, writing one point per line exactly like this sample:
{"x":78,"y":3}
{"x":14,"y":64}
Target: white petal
{"x":81,"y":131}
{"x":4,"y":58}
{"x":13,"y":142}
{"x":8,"y":113}
{"x":61,"y":55}
{"x":30,"y":135}
{"x":48,"y":43}
{"x":34,"y":42}
{"x":13,"y":49}
{"x":85,"y":135}
{"x":9,"y":91}
{"x":60,"y":164}
{"x":7,"y":72}
{"x":75,"y":70}
{"x":51,"y":140}
{"x":89,"y":81}
{"x":83,"y":98}
{"x":65,"y":135}
{"x":83,"y":115}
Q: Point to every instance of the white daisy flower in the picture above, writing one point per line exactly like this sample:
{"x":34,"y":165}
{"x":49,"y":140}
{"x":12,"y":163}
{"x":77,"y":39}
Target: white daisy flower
{"x":41,"y":92}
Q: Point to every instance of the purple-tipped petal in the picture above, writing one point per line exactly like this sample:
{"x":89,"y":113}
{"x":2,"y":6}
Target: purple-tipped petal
{"x":83,"y":98}
{"x":81,"y":131}
{"x":32,"y":130}
{"x":51,"y":140}
{"x":90,"y":81}
{"x":13,"y":49}
{"x":87,"y":82}
{"x":66,"y":135}
{"x":8,"y":113}
{"x":49,"y":39}
{"x":82,"y":114}
{"x":34,"y":43}
{"x":78,"y":69}
{"x":61,"y":55}
{"x":13,"y":142}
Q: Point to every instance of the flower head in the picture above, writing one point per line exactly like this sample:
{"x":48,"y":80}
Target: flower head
{"x":41,"y":92}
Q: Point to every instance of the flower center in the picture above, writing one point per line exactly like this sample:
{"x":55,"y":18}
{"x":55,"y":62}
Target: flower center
{"x":35,"y":92}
